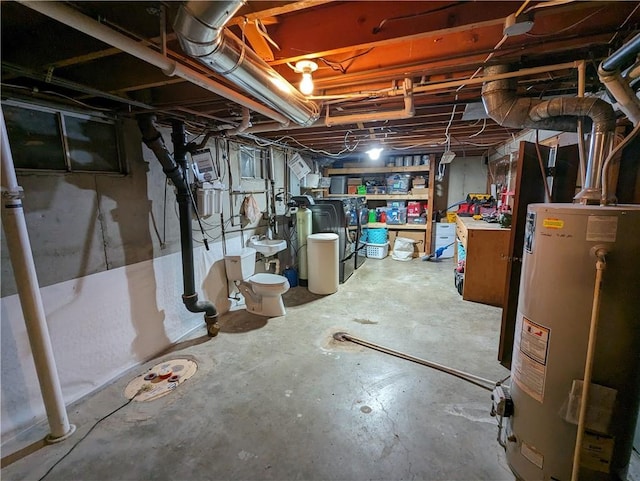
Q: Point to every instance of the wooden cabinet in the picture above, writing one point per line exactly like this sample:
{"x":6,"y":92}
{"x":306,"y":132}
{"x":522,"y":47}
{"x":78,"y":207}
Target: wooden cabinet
{"x":486,"y":248}
{"x":419,"y":232}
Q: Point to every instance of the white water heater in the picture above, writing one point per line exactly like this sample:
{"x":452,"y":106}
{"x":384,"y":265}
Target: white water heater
{"x":551,"y":337}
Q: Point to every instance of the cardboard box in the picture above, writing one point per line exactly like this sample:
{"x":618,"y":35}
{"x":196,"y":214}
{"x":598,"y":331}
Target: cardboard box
{"x":418,"y":181}
{"x":420,"y":190}
{"x":354,"y":181}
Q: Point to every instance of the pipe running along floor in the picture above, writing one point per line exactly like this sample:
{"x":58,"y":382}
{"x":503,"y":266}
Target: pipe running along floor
{"x":281,"y":399}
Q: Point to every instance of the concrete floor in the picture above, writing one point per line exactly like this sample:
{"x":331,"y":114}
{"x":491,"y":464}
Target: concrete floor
{"x":280,"y":399}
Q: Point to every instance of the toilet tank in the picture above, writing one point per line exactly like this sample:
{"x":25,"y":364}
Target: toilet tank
{"x":241,"y":264}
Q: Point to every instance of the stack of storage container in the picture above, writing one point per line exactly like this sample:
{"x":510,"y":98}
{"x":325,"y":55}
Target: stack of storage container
{"x":377,"y":245}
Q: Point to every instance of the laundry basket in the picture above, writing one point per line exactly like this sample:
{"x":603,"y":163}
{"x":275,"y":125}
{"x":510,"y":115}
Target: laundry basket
{"x":377,"y":251}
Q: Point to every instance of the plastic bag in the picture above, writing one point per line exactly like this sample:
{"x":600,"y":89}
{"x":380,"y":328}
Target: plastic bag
{"x":250,"y":209}
{"x":402,"y":249}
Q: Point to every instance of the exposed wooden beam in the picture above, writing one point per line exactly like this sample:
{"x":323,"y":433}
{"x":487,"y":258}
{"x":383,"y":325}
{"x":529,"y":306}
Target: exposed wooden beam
{"x":274,"y":12}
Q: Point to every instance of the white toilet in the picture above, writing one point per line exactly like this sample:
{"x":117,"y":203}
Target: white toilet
{"x":262,"y":292}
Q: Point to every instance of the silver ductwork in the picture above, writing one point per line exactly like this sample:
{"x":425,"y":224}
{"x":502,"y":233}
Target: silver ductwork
{"x":507,"y":109}
{"x":199,"y":27}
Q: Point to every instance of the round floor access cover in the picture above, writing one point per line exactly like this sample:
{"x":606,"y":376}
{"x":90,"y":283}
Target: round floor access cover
{"x":160,"y":379}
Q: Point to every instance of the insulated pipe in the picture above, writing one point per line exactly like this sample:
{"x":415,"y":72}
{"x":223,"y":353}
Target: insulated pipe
{"x":84,"y":24}
{"x":175,"y":170}
{"x":622,"y":56}
{"x":507,"y":109}
{"x":24,"y":271}
{"x":618,"y":87}
{"x":199,"y":25}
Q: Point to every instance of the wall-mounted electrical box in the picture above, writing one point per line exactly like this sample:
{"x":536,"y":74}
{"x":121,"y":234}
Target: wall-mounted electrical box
{"x":203,"y":167}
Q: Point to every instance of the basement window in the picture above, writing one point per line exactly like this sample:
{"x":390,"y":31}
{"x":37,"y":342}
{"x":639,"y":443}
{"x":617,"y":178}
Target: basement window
{"x":47,"y":139}
{"x":249,"y":161}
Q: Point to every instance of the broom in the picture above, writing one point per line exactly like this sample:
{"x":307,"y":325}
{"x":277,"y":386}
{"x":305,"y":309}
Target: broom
{"x":437,"y":253}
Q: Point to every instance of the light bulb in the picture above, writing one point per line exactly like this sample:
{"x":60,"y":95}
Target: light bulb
{"x":306,"y":85}
{"x":374,"y":154}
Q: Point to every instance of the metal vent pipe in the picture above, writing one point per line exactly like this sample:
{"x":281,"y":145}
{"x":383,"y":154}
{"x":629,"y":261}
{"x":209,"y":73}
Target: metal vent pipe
{"x":507,"y":109}
{"x":199,"y":27}
{"x":88,"y":26}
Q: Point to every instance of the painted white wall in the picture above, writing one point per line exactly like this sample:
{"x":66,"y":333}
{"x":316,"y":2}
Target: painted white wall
{"x":106,"y":322}
{"x":100,"y":326}
{"x":466,"y":175}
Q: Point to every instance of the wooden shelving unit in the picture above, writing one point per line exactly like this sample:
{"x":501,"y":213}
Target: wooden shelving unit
{"x":419,"y":232}
{"x":424,"y":196}
{"x":378,"y":170}
{"x":377,"y":225}
{"x":385,"y":196}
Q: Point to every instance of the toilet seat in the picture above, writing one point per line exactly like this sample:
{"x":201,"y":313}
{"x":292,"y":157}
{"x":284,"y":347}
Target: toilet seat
{"x":268,"y":280}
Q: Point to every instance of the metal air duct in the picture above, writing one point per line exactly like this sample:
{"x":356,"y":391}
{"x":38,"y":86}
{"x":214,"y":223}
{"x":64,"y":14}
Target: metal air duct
{"x":199,"y":25}
{"x":88,"y":26}
{"x":507,"y":109}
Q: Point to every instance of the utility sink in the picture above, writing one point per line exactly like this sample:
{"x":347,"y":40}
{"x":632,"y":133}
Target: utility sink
{"x":268,"y":247}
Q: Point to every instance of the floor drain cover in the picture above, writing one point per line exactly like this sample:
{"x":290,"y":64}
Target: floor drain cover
{"x":160,"y":380}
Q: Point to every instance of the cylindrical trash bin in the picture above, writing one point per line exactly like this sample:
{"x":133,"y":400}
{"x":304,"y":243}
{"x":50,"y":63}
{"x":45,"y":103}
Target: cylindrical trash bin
{"x":322,"y":257}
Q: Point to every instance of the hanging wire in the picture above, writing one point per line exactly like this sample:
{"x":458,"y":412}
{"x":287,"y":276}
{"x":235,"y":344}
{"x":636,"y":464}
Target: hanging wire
{"x":624,"y":23}
{"x":566,"y":29}
{"x":378,"y":29}
{"x":87,"y":434}
{"x":278,"y":142}
{"x":484,"y":125}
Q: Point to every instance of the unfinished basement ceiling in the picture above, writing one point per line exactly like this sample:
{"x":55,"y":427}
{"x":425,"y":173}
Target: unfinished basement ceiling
{"x":361,"y":47}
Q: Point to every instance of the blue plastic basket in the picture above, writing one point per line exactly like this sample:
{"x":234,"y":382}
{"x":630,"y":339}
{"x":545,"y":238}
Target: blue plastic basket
{"x":376,"y":236}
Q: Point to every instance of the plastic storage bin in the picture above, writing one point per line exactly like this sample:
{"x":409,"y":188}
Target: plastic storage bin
{"x":377,"y":251}
{"x":338,"y":184}
{"x":397,"y":216}
{"x":398,"y":183}
{"x":376,"y":236}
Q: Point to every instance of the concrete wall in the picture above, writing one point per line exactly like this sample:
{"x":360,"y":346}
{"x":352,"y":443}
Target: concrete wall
{"x":107,"y":254}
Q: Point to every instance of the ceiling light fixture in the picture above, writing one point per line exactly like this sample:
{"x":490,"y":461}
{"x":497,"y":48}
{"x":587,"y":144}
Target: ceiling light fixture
{"x":374,"y":153}
{"x":306,"y":68}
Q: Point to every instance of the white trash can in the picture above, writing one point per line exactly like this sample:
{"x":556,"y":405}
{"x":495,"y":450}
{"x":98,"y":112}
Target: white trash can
{"x":322,"y":258}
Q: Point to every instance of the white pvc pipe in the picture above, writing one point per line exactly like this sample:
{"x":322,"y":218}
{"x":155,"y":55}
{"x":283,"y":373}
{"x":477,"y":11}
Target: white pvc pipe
{"x":406,"y":113}
{"x":86,"y":25}
{"x":24,"y":270}
{"x":588,"y":365}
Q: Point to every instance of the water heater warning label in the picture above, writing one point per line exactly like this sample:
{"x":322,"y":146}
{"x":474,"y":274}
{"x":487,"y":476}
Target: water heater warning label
{"x":602,"y":228}
{"x":531,"y":347}
{"x":553,"y":223}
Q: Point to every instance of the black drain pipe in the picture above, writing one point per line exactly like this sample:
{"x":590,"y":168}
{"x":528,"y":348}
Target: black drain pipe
{"x":174,"y":168}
